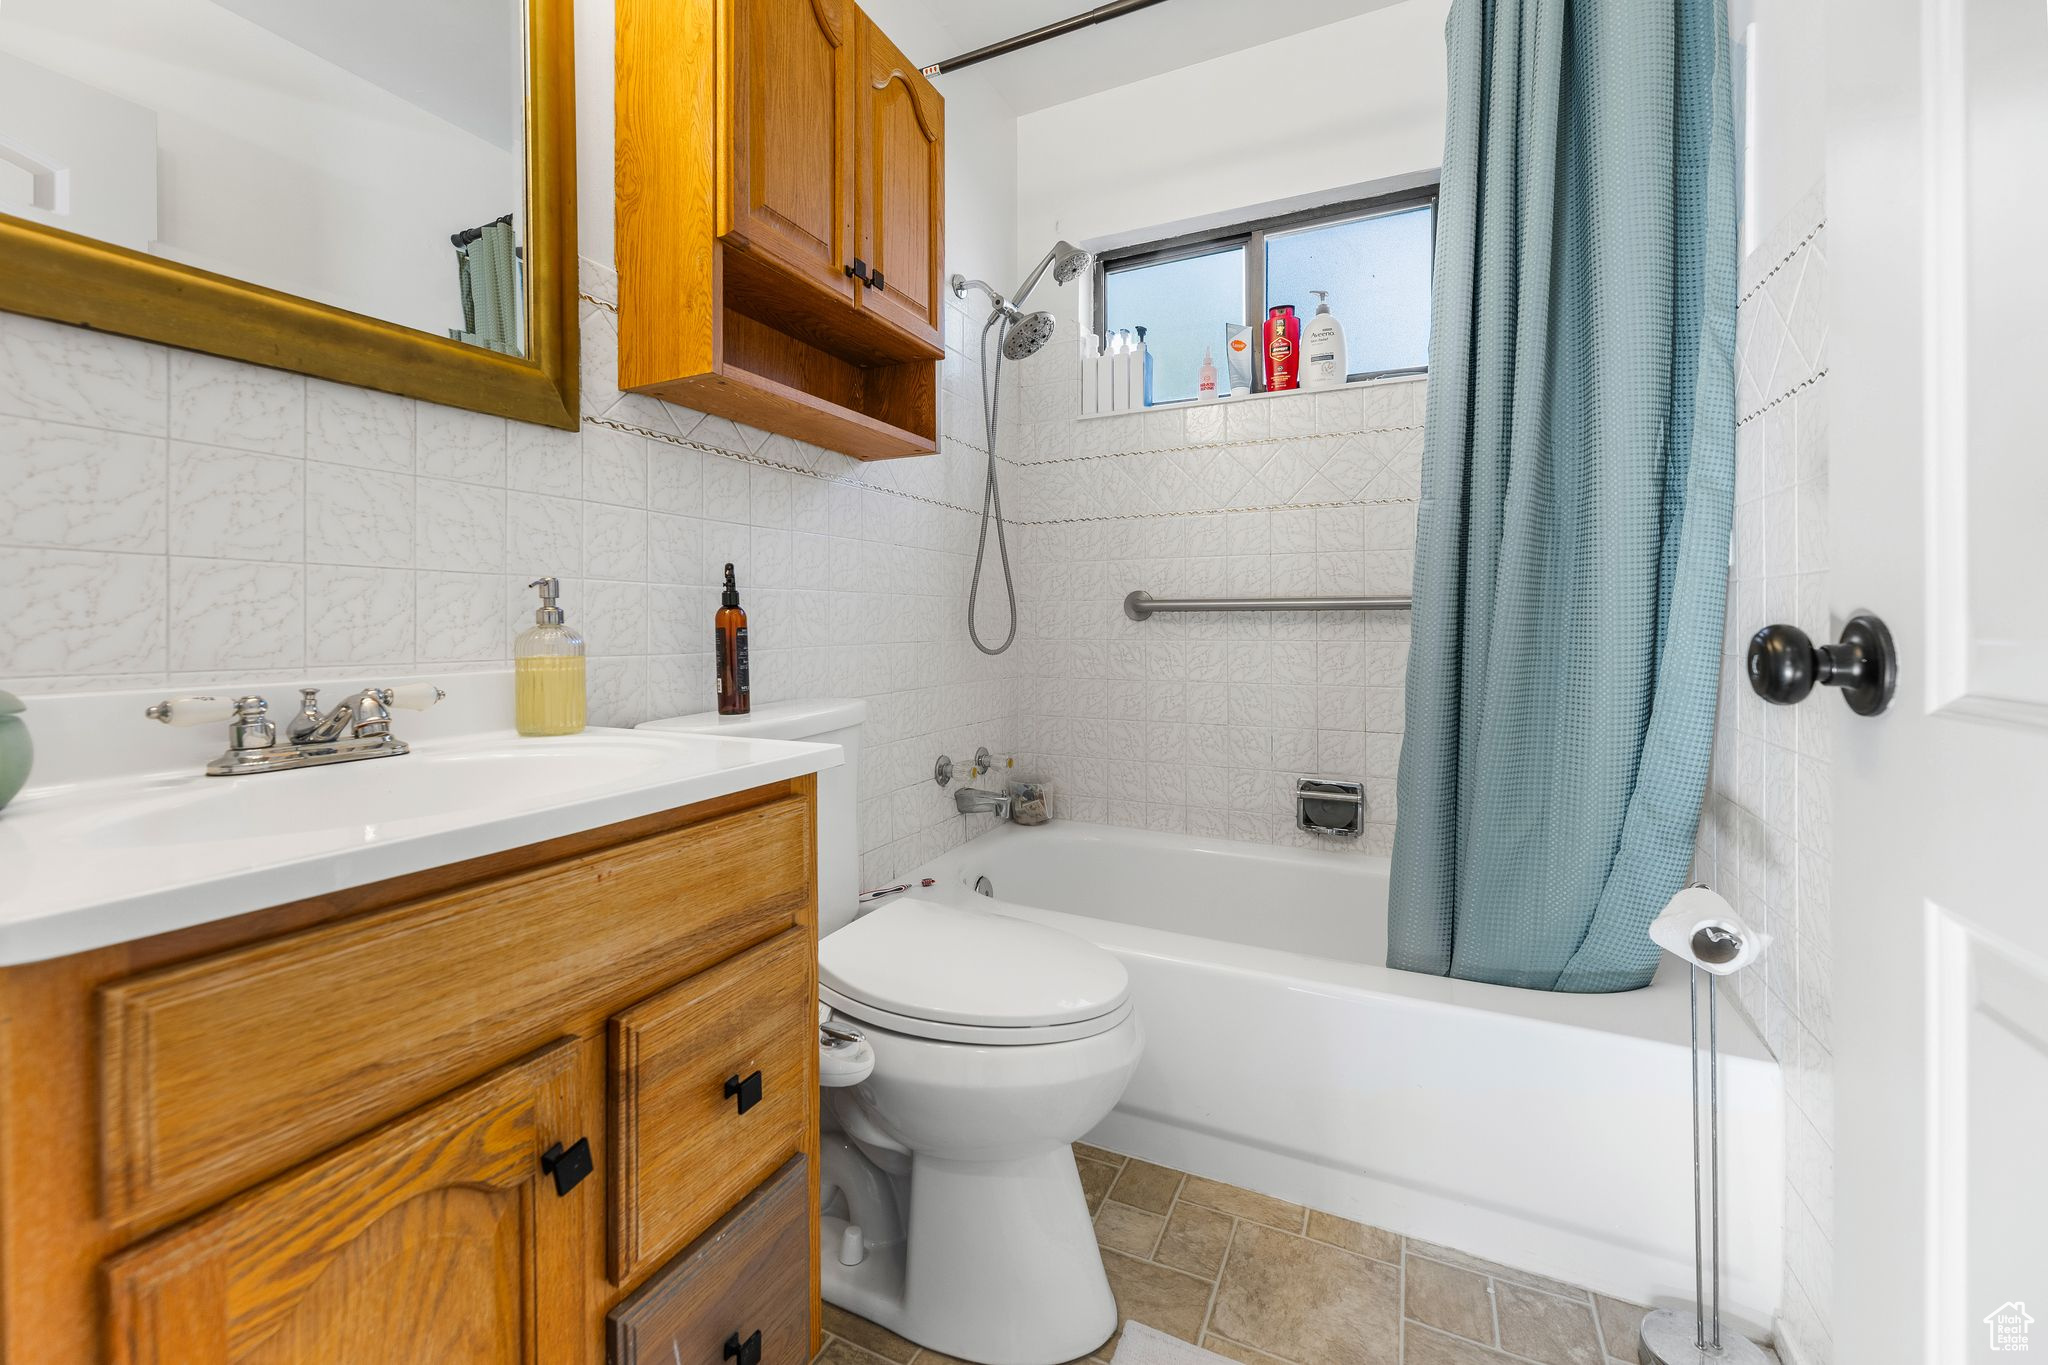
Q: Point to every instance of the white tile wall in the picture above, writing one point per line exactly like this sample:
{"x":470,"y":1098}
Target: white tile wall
{"x":1201,"y":723}
{"x":1765,"y":835}
{"x":171,"y":519}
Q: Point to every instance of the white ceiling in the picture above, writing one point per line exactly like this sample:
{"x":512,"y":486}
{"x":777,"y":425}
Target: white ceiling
{"x":1103,"y":56}
{"x":456,"y":59}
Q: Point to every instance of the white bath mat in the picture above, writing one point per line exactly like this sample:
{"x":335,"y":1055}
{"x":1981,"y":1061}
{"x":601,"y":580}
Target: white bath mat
{"x":1142,"y":1345}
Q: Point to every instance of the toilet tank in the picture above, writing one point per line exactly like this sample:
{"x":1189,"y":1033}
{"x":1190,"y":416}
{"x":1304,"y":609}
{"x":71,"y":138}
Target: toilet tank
{"x":825,"y":721}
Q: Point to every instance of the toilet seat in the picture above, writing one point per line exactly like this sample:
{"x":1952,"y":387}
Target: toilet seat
{"x":951,"y":974}
{"x":941,"y":1032}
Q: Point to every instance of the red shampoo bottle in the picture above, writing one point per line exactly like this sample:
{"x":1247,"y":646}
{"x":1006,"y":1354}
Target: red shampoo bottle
{"x":1283,"y":349}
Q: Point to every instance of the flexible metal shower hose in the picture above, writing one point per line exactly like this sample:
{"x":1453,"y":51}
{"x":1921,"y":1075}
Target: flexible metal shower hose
{"x":992,"y":495}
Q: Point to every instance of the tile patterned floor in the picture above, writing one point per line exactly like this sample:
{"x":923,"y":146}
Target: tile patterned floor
{"x":1257,"y":1280}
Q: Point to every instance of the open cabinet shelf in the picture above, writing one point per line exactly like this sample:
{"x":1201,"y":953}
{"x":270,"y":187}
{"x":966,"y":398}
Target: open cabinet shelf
{"x":781,"y":182}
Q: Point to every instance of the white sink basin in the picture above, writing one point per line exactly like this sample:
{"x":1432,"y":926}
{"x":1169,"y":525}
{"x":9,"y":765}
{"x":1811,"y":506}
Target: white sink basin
{"x":374,"y":798}
{"x":109,"y":859}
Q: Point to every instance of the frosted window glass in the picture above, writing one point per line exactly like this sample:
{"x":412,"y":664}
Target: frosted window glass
{"x":1377,"y":272}
{"x":1183,"y":306}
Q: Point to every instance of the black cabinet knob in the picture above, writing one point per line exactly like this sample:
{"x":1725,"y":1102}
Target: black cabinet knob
{"x":875,"y":281}
{"x":746,"y":1352}
{"x":1785,"y":666}
{"x":747,"y":1092}
{"x":568,"y":1165}
{"x":858,"y":270}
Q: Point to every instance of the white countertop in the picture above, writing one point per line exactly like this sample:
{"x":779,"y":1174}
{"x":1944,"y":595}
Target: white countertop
{"x":120,"y":835}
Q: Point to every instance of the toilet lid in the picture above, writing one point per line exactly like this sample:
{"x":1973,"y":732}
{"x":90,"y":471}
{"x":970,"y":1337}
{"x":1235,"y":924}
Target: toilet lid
{"x":918,"y":960}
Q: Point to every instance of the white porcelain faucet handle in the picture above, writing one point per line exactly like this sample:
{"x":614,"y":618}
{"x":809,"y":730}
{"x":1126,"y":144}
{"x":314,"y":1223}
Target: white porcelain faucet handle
{"x":413,"y":696}
{"x":182,"y":711}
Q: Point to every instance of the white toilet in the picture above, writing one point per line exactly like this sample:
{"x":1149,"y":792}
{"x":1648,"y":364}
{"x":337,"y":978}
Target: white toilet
{"x":954,"y":1214}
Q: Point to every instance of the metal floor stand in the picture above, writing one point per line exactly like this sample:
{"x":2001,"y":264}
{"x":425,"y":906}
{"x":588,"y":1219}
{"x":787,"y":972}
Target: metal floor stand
{"x":1667,"y":1338}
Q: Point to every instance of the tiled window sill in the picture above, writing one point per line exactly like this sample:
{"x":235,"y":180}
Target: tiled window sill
{"x":1232,"y":400}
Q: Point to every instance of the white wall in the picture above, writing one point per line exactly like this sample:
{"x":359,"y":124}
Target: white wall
{"x":1314,"y":116}
{"x":1202,"y":725}
{"x":93,"y":154}
{"x":1784,"y":151}
{"x":1764,"y":833}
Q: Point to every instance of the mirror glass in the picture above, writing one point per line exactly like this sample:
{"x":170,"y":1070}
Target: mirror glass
{"x":368,"y":154}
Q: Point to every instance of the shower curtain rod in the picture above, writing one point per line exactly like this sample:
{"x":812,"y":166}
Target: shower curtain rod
{"x":1116,"y":9}
{"x":1141,"y":604}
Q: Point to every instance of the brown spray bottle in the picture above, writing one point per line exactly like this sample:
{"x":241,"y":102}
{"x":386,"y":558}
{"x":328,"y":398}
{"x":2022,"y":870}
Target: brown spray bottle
{"x":730,"y":641}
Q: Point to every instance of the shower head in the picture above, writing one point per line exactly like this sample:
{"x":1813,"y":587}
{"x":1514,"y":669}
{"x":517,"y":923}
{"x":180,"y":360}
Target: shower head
{"x":1026,"y":335}
{"x":1069,"y":261}
{"x":1066,"y":260}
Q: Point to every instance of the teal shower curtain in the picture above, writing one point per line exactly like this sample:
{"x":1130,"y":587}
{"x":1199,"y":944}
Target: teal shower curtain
{"x":1572,"y":539}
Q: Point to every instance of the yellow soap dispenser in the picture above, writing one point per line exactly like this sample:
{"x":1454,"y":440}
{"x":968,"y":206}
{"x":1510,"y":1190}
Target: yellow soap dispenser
{"x":547,"y":664}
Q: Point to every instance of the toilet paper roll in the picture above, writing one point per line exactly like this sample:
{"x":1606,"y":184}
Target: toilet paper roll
{"x":1699,"y":926}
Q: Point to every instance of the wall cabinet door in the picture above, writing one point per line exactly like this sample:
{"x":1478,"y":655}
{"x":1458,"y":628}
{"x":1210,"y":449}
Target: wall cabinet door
{"x":788,"y":193}
{"x":901,"y":201}
{"x":437,"y":1239}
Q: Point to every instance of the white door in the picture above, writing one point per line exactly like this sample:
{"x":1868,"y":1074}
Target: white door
{"x":1938,"y":408}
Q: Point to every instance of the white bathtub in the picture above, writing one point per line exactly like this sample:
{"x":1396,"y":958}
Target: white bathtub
{"x":1550,"y":1132}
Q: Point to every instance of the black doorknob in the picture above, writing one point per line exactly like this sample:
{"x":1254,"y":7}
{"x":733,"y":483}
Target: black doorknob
{"x":1784,"y":665}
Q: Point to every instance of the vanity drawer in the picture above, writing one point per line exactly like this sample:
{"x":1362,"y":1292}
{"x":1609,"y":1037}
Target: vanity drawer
{"x":220,"y":1072}
{"x":683,"y":1063}
{"x":748,"y":1274}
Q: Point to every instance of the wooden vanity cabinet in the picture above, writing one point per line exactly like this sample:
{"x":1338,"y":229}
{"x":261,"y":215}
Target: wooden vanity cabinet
{"x":436,"y":1239}
{"x":780,"y":220}
{"x":454,"y":1117}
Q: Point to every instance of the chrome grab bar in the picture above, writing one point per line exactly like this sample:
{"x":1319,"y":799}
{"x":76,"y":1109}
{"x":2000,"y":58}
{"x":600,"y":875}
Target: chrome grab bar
{"x":1142,"y":604}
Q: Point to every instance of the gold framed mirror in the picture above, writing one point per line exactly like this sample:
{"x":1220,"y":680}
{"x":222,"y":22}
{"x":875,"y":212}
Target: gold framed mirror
{"x":481,"y":314}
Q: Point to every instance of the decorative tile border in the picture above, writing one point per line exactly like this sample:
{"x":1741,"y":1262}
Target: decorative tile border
{"x":1204,"y":445}
{"x":1805,"y":383}
{"x":750,"y":457}
{"x":1783,"y":261}
{"x":1219,"y":511}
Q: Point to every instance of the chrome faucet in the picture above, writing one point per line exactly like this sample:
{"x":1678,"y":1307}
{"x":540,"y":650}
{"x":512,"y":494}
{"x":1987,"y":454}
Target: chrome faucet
{"x":365,"y":715}
{"x":975,"y":801}
{"x":312,"y":740}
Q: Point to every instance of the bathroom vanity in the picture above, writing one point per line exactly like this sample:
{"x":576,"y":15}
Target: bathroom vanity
{"x":523,"y":1106}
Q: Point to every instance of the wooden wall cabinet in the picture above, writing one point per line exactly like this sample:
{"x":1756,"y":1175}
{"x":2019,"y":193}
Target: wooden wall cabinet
{"x":347,"y":1130}
{"x":901,"y":155}
{"x":780,"y":220}
{"x":788,"y":196}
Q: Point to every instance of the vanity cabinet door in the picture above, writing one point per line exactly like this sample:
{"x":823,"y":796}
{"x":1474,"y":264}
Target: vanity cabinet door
{"x":901,"y":201}
{"x":714,"y":1086}
{"x":437,"y":1240}
{"x":788,"y":192}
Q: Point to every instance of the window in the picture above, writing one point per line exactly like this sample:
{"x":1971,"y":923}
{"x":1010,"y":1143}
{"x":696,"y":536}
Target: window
{"x":1373,"y":256}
